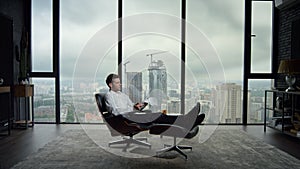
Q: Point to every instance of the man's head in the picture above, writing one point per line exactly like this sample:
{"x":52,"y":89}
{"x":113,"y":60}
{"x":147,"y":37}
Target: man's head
{"x":113,"y":82}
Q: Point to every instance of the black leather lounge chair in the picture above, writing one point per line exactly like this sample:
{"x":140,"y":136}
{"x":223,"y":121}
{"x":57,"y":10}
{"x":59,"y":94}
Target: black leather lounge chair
{"x":118,"y":127}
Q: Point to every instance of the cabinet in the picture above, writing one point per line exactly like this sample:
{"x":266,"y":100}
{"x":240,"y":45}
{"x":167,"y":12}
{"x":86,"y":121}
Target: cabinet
{"x":282,"y":111}
{"x":5,"y":116}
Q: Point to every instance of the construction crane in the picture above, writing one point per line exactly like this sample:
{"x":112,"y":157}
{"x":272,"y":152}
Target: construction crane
{"x":125,"y":79}
{"x":151,"y":54}
{"x":125,"y":65}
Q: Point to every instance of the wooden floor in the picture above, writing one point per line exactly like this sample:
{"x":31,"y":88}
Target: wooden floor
{"x":22,"y":143}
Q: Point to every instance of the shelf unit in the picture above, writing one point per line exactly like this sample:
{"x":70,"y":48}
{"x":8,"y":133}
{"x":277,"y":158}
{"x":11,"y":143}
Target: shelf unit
{"x":286,"y":115}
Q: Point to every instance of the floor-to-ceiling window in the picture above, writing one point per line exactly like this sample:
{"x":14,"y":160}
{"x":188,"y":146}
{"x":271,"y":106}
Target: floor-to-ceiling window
{"x":261,"y":59}
{"x":151,"y":39}
{"x":215,"y":39}
{"x":83,"y":69}
{"x":152,"y":34}
{"x":42,"y":61}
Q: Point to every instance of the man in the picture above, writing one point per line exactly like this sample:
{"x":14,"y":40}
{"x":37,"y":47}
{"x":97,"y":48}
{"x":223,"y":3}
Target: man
{"x":119,"y":103}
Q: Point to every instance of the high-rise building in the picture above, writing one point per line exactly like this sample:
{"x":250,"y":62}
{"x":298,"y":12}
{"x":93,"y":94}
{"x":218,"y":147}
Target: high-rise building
{"x":229,"y":102}
{"x":174,"y":106}
{"x":134,"y":86}
{"x":157,"y":81}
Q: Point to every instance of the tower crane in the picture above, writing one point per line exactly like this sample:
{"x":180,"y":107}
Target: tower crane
{"x":125,"y":65}
{"x":151,"y":54}
{"x":125,"y":79}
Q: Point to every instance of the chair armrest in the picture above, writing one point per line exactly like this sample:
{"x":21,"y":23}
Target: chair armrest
{"x":118,"y":120}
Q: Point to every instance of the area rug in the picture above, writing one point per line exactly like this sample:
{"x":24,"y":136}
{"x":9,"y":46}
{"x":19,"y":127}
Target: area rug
{"x":226,"y":148}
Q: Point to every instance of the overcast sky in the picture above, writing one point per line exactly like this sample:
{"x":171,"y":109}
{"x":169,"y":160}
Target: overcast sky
{"x":215,"y":37}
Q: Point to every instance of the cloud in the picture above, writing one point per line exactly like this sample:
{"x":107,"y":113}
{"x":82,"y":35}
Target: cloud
{"x":170,"y":7}
{"x":221,"y":22}
{"x":87,"y":13}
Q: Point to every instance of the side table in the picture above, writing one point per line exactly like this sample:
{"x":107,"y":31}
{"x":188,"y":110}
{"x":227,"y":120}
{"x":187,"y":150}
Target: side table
{"x":26,"y":91}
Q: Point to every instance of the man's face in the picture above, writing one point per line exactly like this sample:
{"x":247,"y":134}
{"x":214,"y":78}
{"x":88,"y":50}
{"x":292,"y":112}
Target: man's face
{"x":115,"y":85}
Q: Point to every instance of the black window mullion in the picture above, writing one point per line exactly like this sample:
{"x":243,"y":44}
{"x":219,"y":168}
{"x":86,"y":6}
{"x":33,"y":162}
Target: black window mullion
{"x":183,"y":38}
{"x":247,"y":57}
{"x":120,"y":30}
{"x":56,"y":58}
{"x":275,"y":41}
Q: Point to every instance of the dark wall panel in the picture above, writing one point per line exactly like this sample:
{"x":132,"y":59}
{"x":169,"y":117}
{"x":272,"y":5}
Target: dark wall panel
{"x":295,"y":48}
{"x":288,"y":38}
{"x":6,"y":49}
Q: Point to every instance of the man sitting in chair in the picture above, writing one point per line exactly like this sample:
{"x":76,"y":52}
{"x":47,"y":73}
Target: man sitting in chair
{"x":119,"y":103}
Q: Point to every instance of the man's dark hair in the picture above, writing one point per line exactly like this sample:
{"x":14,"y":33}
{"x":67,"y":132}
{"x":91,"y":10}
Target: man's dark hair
{"x":110,"y":77}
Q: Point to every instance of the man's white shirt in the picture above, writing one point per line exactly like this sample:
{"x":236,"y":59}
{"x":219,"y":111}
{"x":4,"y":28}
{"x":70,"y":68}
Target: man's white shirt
{"x":118,"y":102}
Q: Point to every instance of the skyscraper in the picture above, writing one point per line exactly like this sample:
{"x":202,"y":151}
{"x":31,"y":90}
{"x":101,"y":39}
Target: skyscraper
{"x":134,"y":86}
{"x":157,"y":82}
{"x":228,"y":101}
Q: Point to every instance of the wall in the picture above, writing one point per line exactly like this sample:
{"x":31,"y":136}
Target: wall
{"x":16,"y":9}
{"x":19,"y":12}
{"x":287,"y":16}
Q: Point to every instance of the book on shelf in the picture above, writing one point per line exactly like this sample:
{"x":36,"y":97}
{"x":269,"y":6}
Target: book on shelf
{"x":286,"y":109}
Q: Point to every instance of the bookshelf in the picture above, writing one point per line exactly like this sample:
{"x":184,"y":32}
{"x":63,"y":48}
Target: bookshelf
{"x":282,"y":111}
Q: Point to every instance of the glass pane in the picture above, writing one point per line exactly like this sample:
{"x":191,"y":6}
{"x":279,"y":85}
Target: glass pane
{"x":261,"y":51}
{"x":214,"y":58}
{"x":88,"y":50}
{"x":42,"y":58}
{"x":256,"y":102}
{"x":151,"y":51}
{"x":44,"y":99}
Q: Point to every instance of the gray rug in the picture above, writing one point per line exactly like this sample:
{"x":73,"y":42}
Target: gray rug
{"x":224,"y":149}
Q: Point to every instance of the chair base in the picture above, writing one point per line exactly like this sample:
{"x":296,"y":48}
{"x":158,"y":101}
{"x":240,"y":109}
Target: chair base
{"x":131,"y":140}
{"x":175,"y":147}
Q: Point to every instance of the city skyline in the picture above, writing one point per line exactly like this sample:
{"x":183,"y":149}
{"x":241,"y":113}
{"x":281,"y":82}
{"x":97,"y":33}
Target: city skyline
{"x":82,"y":101}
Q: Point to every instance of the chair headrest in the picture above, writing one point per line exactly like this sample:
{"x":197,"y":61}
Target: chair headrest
{"x":100,"y":99}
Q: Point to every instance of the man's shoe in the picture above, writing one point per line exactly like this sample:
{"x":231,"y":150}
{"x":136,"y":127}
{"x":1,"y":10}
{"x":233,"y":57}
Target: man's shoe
{"x":199,"y":120}
{"x":192,"y":133}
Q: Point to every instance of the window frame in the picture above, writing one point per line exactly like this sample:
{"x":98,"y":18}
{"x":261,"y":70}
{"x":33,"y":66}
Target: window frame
{"x":247,"y":53}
